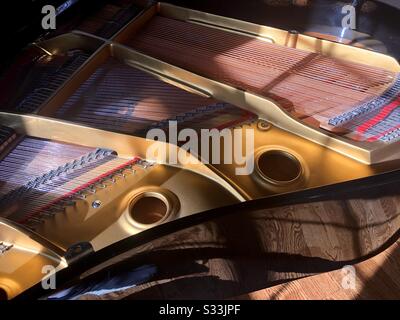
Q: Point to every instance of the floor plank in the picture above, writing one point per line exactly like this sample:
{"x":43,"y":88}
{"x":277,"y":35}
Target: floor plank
{"x":376,"y":278}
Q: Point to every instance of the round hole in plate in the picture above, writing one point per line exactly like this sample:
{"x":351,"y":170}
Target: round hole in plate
{"x":148,"y":209}
{"x":279,"y":167}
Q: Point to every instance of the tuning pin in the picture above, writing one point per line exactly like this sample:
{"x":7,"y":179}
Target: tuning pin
{"x":47,"y":213}
{"x":36,"y":220}
{"x":80,"y":195}
{"x":68,"y":202}
{"x":101,"y":185}
{"x":91,"y":190}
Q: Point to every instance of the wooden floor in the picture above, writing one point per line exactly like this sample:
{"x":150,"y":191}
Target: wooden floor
{"x":376,"y":278}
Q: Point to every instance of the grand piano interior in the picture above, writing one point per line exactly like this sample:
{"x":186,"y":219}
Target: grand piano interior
{"x":79,"y":191}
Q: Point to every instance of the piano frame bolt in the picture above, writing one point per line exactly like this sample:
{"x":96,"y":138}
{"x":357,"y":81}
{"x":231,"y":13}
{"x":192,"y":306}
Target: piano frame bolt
{"x":96,"y":204}
{"x":263,"y":125}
